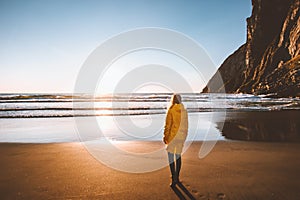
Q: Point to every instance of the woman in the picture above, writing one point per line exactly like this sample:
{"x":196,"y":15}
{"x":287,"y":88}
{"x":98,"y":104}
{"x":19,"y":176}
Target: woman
{"x":175,"y":134}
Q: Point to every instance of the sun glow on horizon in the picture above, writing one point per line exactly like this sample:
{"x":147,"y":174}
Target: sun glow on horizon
{"x":122,"y":73}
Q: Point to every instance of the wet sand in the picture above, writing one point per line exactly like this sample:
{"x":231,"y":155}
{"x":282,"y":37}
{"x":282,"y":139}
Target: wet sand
{"x":233,"y":170}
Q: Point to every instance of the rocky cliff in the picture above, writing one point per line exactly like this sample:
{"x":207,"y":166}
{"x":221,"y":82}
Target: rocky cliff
{"x":269,"y":61}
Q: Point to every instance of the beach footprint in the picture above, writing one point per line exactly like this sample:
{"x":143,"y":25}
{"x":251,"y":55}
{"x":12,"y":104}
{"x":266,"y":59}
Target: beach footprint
{"x":202,"y":196}
{"x":221,"y":196}
{"x":195,"y":192}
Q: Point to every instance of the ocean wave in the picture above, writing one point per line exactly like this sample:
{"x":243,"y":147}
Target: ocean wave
{"x":70,"y":105}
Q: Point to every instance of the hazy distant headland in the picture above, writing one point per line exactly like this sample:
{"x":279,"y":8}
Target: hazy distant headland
{"x":269,"y":61}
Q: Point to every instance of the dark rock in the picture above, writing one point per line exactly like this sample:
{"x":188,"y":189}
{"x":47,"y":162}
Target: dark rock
{"x":275,"y":126}
{"x":228,"y":78}
{"x":269,"y":61}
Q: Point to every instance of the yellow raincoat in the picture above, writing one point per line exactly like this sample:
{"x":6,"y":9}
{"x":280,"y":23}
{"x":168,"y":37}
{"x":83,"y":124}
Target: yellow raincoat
{"x":176,"y":128}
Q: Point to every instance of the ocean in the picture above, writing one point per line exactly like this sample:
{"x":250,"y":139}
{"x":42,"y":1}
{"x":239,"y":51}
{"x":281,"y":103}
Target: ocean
{"x":47,"y":118}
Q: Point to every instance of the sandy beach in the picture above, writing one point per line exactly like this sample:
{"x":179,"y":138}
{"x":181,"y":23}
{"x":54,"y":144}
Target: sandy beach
{"x":92,"y":93}
{"x":233,"y":170}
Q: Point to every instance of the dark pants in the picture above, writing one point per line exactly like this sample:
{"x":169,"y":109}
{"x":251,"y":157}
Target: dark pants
{"x":175,"y":165}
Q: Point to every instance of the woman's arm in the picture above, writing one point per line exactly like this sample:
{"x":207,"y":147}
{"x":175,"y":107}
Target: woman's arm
{"x":168,"y":126}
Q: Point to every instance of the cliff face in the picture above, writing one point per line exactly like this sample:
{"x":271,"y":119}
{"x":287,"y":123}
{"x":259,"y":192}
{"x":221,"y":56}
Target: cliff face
{"x":269,"y":62}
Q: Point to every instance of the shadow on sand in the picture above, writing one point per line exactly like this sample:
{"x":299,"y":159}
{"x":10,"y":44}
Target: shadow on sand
{"x":182,"y":192}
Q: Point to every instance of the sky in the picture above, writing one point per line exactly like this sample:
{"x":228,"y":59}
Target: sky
{"x":44,"y":43}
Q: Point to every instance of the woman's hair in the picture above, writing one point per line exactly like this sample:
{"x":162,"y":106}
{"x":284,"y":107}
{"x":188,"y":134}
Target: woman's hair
{"x":176,"y":99}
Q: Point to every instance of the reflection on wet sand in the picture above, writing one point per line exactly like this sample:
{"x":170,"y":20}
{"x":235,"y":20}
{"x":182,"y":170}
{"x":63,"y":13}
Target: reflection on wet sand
{"x":262,"y":126}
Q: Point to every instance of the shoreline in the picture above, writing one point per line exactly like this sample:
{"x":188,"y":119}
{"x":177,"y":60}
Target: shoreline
{"x":232,"y":170}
